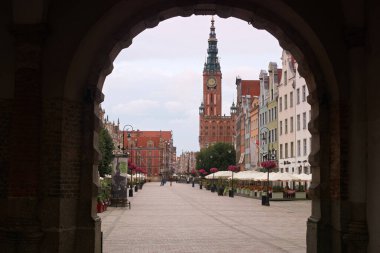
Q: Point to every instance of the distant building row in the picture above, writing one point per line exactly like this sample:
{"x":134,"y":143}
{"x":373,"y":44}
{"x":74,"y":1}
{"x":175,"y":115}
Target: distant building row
{"x":152,"y":150}
{"x":269,"y":120}
{"x":272,"y":119}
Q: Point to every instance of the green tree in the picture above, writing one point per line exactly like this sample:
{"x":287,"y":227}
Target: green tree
{"x":220,"y":155}
{"x":106,"y":147}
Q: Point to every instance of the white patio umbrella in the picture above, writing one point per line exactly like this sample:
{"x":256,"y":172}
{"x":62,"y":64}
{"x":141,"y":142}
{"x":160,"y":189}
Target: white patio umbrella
{"x":273,"y":176}
{"x":221,"y":174}
{"x":288,"y":176}
{"x":302,"y":177}
{"x":248,"y":175}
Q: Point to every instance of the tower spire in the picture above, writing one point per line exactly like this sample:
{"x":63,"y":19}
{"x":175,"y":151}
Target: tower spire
{"x":212,"y":62}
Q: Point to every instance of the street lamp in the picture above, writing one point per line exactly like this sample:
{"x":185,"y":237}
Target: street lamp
{"x":265,"y":200}
{"x":126,"y":127}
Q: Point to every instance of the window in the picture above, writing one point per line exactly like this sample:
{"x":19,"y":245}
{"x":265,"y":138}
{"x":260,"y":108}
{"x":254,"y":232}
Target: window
{"x":286,"y":126}
{"x":286,"y":102}
{"x":275,"y":113}
{"x":265,"y":118}
{"x":285,"y":78}
{"x":298,"y":122}
{"x":310,"y":144}
{"x":291,"y":149}
{"x":304,"y":120}
{"x":298,"y":148}
{"x":303,"y":93}
{"x":280,"y":104}
{"x":270,"y":115}
{"x":281,"y":152}
{"x":304,"y":146}
{"x":271,"y":94}
{"x":150,"y":144}
{"x":286,"y":150}
{"x":309,"y":115}
{"x":298,"y":96}
{"x":291,"y":99}
{"x":275,"y":134}
{"x":291,"y":124}
{"x":280,"y":127}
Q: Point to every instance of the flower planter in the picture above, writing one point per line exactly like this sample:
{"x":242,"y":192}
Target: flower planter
{"x":99,"y":207}
{"x":277,"y":195}
{"x":300,"y":195}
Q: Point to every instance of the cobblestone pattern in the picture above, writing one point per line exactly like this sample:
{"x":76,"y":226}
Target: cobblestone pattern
{"x":185,"y":219}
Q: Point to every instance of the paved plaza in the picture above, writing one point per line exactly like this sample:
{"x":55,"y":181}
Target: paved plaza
{"x":182,"y":219}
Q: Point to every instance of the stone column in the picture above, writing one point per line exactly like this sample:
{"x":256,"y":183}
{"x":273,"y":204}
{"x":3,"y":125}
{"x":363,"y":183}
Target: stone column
{"x":20,"y":229}
{"x":354,"y":164}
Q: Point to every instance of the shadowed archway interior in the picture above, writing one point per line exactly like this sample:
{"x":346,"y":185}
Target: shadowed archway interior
{"x":57,"y":55}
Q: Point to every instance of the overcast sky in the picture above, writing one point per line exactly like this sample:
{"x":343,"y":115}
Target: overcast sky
{"x":156,"y":83}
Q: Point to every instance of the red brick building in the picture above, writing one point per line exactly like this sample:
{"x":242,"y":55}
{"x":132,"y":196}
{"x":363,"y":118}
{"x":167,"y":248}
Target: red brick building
{"x":213,"y":126}
{"x":152,"y":150}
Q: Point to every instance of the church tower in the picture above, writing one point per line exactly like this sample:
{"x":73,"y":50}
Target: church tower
{"x":213,"y":126}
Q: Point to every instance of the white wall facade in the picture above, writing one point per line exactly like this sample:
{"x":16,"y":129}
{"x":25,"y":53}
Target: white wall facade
{"x":294,"y":116}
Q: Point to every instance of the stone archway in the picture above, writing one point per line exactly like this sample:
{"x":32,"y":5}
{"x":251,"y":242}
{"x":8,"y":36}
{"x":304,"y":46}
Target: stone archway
{"x":68,"y":66}
{"x":305,"y":54}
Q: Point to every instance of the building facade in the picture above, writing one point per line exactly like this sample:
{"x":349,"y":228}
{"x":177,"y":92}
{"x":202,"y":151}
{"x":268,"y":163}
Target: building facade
{"x":246,"y":91}
{"x":268,"y":135}
{"x":113,"y":129}
{"x":186,"y":162}
{"x":294,"y":116}
{"x":152,"y":150}
{"x":213,"y":126}
{"x":254,"y":134}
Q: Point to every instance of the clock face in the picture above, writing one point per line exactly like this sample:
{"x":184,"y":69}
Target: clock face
{"x":211,"y":82}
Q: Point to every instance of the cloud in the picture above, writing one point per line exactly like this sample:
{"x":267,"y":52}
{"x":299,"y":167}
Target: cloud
{"x":173,"y":106}
{"x":136,"y":107}
{"x":157,"y":82}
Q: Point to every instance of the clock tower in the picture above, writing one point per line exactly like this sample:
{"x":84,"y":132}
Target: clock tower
{"x":212,"y":77}
{"x":213,"y":126}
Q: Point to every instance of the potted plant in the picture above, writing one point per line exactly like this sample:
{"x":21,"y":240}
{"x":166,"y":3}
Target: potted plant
{"x":220,"y":189}
{"x":277,"y":192}
{"x":300,"y":192}
{"x":213,"y":187}
{"x":232,"y":168}
{"x":268,"y":165}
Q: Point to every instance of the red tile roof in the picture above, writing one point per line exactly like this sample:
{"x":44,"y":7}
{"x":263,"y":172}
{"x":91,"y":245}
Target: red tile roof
{"x":250,"y":87}
{"x":166,"y":135}
{"x":143,"y":137}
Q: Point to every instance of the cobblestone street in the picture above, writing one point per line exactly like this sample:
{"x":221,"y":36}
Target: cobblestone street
{"x":186,"y":219}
